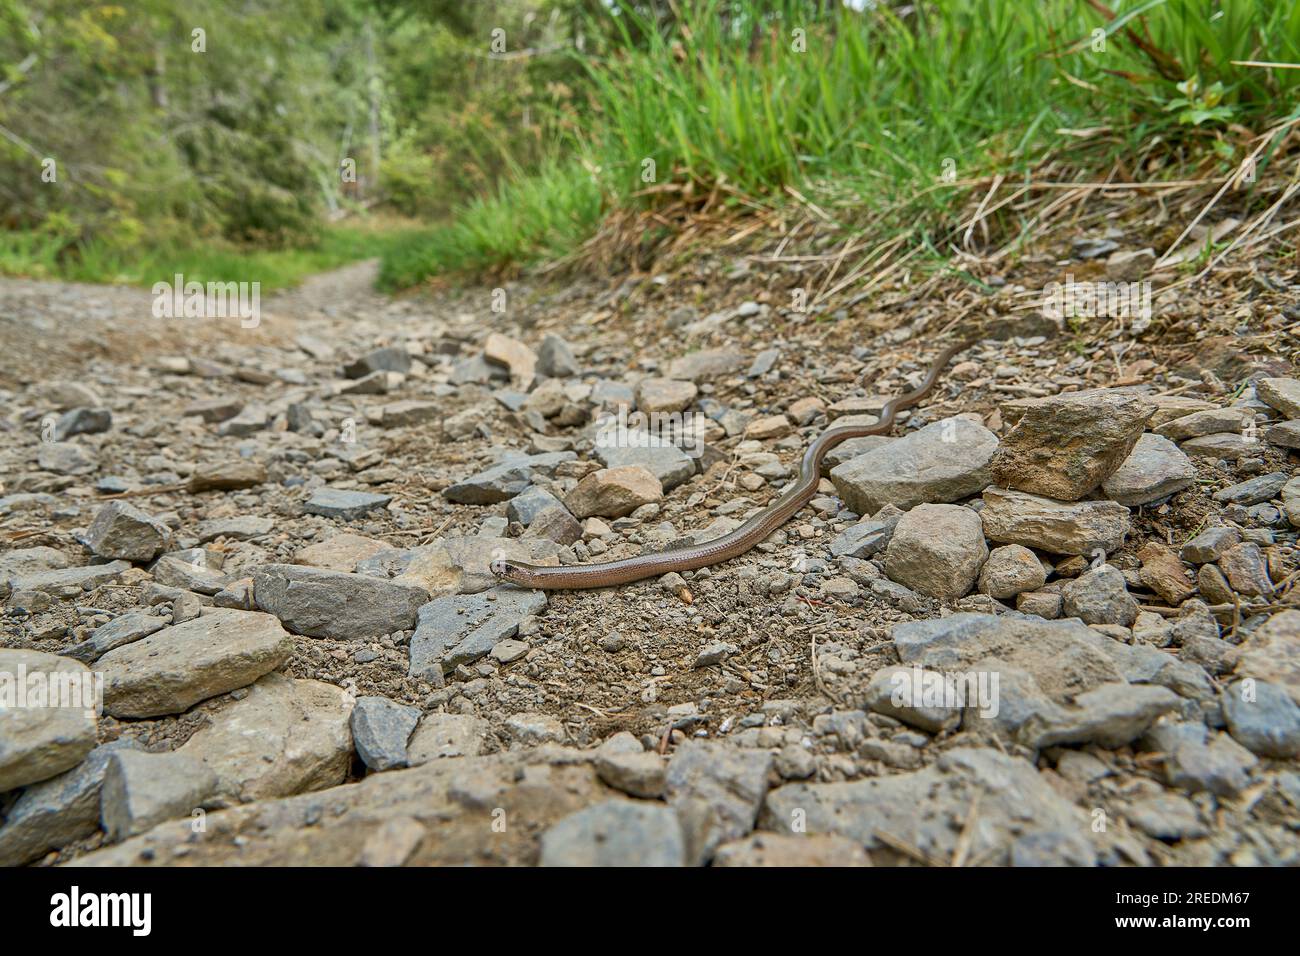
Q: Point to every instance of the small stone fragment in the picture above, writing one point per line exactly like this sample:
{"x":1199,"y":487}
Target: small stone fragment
{"x":616,"y":833}
{"x":1163,"y":573}
{"x":123,"y":531}
{"x":1246,"y":570}
{"x":664,"y":395}
{"x":937,"y":550}
{"x":1100,"y":597}
{"x":1210,"y":545}
{"x":614,"y":492}
{"x":1010,"y":570}
{"x":1066,"y":445}
{"x":380,"y":730}
{"x":343,"y":504}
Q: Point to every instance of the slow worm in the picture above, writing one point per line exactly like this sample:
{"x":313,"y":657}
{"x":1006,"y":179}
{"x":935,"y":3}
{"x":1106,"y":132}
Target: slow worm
{"x":734,"y":543}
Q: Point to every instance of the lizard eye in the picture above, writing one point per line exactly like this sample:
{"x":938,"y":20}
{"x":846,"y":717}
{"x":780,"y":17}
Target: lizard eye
{"x":499,"y":566}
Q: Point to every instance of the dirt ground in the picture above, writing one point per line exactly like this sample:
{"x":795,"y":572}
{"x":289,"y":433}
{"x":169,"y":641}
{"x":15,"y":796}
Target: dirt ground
{"x":625,"y":659}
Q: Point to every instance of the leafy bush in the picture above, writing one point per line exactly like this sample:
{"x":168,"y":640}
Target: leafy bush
{"x":858,"y":109}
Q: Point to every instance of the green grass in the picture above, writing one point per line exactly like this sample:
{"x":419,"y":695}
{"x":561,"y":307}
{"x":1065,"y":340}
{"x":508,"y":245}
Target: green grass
{"x":531,"y":217}
{"x":40,"y":255}
{"x":867,"y":120}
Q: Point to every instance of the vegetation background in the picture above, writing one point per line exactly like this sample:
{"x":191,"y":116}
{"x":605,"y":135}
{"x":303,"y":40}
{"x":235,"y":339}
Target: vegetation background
{"x":267,"y":139}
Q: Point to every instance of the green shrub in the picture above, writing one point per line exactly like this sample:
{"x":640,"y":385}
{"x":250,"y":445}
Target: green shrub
{"x":895,"y":102}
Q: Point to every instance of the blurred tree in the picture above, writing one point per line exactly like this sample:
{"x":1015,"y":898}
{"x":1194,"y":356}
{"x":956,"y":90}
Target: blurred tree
{"x":253,"y":120}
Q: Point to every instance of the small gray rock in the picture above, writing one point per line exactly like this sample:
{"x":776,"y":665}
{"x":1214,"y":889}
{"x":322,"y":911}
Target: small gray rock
{"x":1195,"y":761}
{"x":121,"y":630}
{"x":527,"y":505}
{"x":1230,"y":446}
{"x":66,"y":458}
{"x":898,"y":692}
{"x":1010,"y":570}
{"x":391,"y":359}
{"x":622,"y":764}
{"x":616,"y":833}
{"x":123,"y":531}
{"x":380,"y":730}
{"x":533,"y":729}
{"x":238,"y":528}
{"x":343,"y":504}
{"x":1263,"y":718}
{"x":868,"y":536}
{"x":82,"y":421}
{"x":1254,"y":491}
{"x":141,"y":790}
{"x":1111,"y":715}
{"x":506,"y":479}
{"x":714,"y":653}
{"x":1210,"y":545}
{"x":335,"y":604}
{"x":1246,"y":569}
{"x":943,"y":462}
{"x":461,"y":628}
{"x":1167,"y":817}
{"x":1100,"y":596}
{"x":555,"y":359}
{"x":1156,"y":468}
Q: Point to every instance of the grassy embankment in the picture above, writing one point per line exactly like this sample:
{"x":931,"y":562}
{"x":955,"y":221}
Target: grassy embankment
{"x":885,"y":123}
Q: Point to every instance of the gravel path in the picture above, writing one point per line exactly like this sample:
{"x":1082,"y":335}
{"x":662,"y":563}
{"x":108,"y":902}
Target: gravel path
{"x":1048,"y":622}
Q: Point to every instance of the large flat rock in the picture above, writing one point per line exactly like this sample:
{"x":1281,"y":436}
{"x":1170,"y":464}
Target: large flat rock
{"x":285,"y":737}
{"x":57,"y":581}
{"x":1066,"y":445}
{"x":172,"y":670}
{"x":447,"y":809}
{"x":1021,"y":818}
{"x":54,"y":813}
{"x":943,"y":462}
{"x":47,"y":716}
{"x":336,"y":604}
{"x":1061,"y":527}
{"x":461,"y":628}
